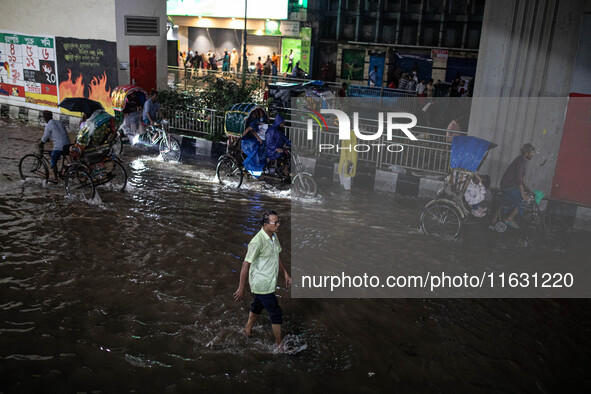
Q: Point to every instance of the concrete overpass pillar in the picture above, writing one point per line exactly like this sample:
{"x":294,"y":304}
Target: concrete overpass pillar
{"x":523,"y":78}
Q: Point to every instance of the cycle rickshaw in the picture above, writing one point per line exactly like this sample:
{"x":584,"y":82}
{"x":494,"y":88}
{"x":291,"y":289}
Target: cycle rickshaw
{"x":236,"y":163}
{"x":128,"y":101}
{"x":93,"y":162}
{"x":445,"y":216}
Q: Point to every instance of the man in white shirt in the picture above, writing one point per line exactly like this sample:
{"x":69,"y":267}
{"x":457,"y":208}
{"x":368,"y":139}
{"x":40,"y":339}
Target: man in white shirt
{"x":55,"y":132}
{"x":373,"y":76}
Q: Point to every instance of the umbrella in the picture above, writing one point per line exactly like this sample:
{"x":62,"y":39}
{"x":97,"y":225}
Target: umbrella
{"x":80,"y":104}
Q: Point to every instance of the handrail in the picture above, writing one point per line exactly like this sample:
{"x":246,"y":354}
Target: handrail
{"x":430,"y":153}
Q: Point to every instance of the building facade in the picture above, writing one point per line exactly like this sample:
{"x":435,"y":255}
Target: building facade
{"x":55,"y":49}
{"x":441,"y":36}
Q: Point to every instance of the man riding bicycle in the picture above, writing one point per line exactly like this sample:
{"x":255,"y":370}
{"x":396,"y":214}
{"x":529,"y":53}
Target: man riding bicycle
{"x":151,"y":114}
{"x":55,"y":131}
{"x":513,"y":185}
{"x":276,"y":144}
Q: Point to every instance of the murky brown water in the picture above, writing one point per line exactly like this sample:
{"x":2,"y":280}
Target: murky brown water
{"x":133,"y":292}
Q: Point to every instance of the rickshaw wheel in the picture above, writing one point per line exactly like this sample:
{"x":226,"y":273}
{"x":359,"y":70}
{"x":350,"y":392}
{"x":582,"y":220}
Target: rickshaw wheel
{"x":32,"y":166}
{"x":117,"y":147}
{"x":228,"y":171}
{"x":442,"y":221}
{"x":304,"y":185}
{"x":116,"y":174}
{"x":79,"y":184}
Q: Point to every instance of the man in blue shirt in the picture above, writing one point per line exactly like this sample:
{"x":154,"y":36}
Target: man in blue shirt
{"x":276,"y":143}
{"x":55,"y":132}
{"x":152,"y":114}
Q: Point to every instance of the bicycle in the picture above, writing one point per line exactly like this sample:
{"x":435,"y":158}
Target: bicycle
{"x":155,"y":136}
{"x":540,"y":228}
{"x":37,"y":165}
{"x":81,"y":178}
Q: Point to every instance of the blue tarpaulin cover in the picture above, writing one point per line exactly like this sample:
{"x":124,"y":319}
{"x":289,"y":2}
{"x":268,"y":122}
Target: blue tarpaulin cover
{"x":468,"y":152}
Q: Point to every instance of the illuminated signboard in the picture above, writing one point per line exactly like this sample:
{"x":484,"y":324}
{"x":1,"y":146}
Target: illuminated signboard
{"x":257,"y":9}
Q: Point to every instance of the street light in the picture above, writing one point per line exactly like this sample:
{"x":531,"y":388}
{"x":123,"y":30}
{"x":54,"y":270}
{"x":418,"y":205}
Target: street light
{"x":244,"y":65}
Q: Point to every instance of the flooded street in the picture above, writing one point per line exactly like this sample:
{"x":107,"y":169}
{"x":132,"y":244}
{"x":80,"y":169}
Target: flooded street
{"x":132,"y":292}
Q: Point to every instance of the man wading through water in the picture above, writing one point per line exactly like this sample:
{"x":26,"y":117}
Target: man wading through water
{"x":261,"y":265}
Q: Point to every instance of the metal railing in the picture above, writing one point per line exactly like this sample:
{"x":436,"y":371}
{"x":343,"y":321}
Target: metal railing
{"x":430,"y":153}
{"x":197,"y":122}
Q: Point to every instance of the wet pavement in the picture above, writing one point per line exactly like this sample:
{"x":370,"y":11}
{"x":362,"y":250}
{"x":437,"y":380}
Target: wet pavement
{"x":133,"y":292}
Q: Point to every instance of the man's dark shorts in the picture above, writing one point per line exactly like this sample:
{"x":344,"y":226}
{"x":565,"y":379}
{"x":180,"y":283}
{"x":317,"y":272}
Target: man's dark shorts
{"x":512,"y":199}
{"x":55,"y":156}
{"x":268,"y":302}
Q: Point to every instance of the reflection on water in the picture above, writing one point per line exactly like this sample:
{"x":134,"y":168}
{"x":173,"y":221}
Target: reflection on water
{"x":134,"y":292}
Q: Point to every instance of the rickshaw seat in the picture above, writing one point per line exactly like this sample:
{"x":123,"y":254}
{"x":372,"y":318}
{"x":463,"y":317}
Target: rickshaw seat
{"x":96,"y":154}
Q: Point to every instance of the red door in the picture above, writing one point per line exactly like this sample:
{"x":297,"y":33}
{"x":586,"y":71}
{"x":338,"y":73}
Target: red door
{"x":571,"y":178}
{"x":142,"y":68}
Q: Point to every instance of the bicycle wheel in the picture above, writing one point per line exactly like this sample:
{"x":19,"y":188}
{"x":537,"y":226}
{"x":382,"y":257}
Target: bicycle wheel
{"x":229,"y":172}
{"x":116,"y":174}
{"x":547,"y":231}
{"x":442,"y":221}
{"x":32,"y":166}
{"x":304,"y":185}
{"x":170,"y":151}
{"x":79,"y":185}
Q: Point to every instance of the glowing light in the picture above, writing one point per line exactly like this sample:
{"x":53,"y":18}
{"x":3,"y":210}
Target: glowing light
{"x":237,"y":24}
{"x":204,"y":22}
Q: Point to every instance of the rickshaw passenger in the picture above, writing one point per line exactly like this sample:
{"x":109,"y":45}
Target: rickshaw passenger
{"x":253,"y":144}
{"x":258,"y":127}
{"x":55,"y":132}
{"x":475,"y":194}
{"x":131,"y":117}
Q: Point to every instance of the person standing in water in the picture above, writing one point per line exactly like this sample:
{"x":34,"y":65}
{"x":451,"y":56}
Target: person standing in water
{"x":261,"y":266}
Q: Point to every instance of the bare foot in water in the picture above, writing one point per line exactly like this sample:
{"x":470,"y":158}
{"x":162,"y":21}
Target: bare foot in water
{"x":247,"y":332}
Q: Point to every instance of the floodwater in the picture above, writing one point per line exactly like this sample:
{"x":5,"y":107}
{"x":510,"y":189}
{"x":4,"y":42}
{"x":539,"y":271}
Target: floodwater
{"x":133,"y":293}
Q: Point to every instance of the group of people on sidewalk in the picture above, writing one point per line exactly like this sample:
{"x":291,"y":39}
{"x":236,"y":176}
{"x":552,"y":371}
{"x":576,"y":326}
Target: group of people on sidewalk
{"x":209,"y":61}
{"x":231,"y":62}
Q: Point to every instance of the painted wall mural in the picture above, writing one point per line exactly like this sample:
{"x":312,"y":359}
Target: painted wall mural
{"x":87,"y":68}
{"x":44,"y":70}
{"x":27,"y":69}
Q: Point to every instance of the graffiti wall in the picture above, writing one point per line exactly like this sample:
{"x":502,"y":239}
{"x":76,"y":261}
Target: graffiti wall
{"x":43,"y":70}
{"x":87,"y":68}
{"x":27,"y":69}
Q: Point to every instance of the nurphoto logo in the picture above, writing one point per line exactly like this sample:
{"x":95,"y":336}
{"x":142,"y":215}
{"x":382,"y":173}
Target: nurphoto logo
{"x":344,"y":121}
